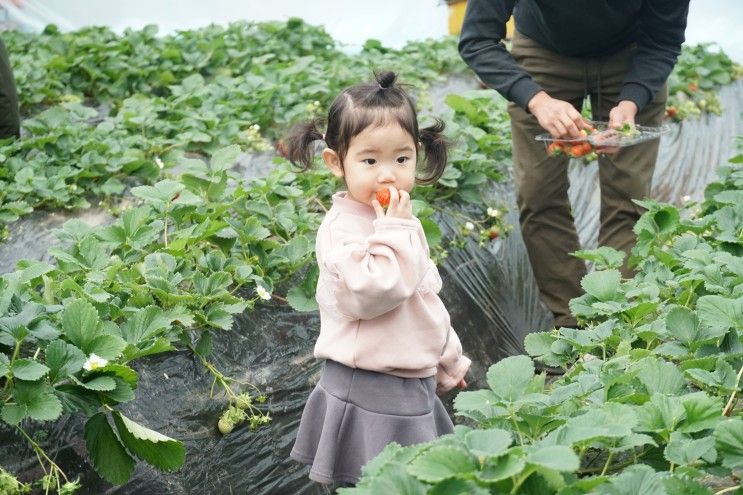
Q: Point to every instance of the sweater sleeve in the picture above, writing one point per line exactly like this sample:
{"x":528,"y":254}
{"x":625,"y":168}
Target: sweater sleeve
{"x":481,"y":47}
{"x":453,"y":365}
{"x":376,"y":274}
{"x":658,"y":47}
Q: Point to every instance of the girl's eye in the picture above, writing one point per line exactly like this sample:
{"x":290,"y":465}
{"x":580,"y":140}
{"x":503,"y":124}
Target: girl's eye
{"x":402,"y":159}
{"x":369,"y":161}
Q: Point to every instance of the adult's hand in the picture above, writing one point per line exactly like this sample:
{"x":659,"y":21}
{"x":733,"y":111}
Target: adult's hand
{"x":625,"y":111}
{"x":557,"y":117}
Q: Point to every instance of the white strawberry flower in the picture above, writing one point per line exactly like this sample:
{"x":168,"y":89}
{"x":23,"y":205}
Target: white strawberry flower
{"x":263,"y":293}
{"x":94,"y":362}
{"x":493,"y":212}
{"x":469,"y":226}
{"x":159,"y":162}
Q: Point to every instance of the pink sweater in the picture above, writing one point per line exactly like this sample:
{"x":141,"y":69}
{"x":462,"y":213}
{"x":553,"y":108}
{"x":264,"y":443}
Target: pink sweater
{"x":377,"y":291}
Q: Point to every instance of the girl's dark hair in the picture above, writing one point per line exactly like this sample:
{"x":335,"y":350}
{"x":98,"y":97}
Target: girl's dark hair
{"x":363,"y":105}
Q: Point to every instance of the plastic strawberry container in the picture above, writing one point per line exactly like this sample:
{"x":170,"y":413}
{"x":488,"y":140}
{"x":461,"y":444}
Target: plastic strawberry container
{"x":602,"y":136}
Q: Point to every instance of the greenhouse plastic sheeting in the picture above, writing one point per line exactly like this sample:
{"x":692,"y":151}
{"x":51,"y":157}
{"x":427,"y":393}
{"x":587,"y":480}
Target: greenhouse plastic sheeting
{"x":493,"y":303}
{"x":388,"y":20}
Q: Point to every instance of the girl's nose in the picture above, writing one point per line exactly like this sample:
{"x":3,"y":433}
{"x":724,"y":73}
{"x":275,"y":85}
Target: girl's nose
{"x":386,"y":175}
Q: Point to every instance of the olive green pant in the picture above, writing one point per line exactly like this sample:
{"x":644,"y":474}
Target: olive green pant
{"x":9,"y":113}
{"x":545,"y":214}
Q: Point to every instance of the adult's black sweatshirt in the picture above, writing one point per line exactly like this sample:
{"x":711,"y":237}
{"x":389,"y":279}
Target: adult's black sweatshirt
{"x":575,"y":28}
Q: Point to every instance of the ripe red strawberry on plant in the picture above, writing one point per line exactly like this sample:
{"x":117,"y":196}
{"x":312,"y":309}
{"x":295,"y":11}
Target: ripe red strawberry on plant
{"x":383,"y":196}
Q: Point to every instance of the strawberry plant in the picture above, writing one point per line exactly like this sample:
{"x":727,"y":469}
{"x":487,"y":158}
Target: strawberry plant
{"x":197,"y":91}
{"x":700,"y":72}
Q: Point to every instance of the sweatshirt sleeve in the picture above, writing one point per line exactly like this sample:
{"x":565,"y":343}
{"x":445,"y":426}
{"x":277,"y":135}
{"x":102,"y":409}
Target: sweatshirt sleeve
{"x":376,"y":274}
{"x":453,"y":365}
{"x":481,"y":47}
{"x":658,"y":47}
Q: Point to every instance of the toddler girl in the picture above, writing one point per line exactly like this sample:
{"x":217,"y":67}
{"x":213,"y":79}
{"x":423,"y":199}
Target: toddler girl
{"x":385,"y":335}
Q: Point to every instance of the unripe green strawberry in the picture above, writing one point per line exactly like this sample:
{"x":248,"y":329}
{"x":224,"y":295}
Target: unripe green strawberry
{"x":8,"y":483}
{"x":225,"y":424}
{"x":236,"y":414}
{"x":243,"y":401}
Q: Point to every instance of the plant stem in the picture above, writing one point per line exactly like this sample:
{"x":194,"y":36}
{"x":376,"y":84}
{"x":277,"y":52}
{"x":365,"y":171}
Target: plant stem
{"x":320,"y":203}
{"x":608,"y":461}
{"x":165,"y":231}
{"x":516,"y":427}
{"x":218,"y":376}
{"x":9,"y":380}
{"x":40,"y":452}
{"x":692,"y":289}
{"x":728,"y":490}
{"x":520,"y":480}
{"x":733,"y":397}
{"x":15,"y":352}
{"x":279,"y":298}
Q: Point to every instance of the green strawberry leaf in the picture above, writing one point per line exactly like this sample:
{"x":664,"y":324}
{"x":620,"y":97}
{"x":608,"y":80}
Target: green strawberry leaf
{"x":63,"y":359}
{"x":603,"y":285}
{"x":299,"y":300}
{"x":720,"y":313}
{"x":488,"y":443}
{"x":729,"y":442}
{"x":457,"y":487}
{"x":225,"y":158}
{"x":155,"y":448}
{"x":439,"y":463}
{"x":145,"y":324}
{"x":14,"y":413}
{"x":557,"y":457}
{"x":28,"y":369}
{"x":510,"y":378}
{"x":108,"y":455}
{"x":45,"y":407}
{"x":106,"y":346}
{"x":4,"y":365}
{"x":99,"y":383}
{"x":80,"y":322}
{"x":635,"y":480}
{"x":501,"y":468}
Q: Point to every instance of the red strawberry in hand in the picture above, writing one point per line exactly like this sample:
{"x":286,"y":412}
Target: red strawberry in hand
{"x":383,"y":196}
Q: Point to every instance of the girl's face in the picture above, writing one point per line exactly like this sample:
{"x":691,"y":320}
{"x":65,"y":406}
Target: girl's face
{"x":378,"y":157}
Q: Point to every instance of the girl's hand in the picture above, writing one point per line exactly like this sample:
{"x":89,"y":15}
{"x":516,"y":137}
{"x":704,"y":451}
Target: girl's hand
{"x":400,"y":205}
{"x":462,"y":384}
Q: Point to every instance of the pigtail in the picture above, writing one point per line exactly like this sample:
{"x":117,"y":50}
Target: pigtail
{"x":299,"y":144}
{"x":435,"y":148}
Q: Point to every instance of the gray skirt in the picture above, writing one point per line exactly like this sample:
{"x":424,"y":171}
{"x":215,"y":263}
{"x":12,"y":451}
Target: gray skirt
{"x":352,"y":414}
